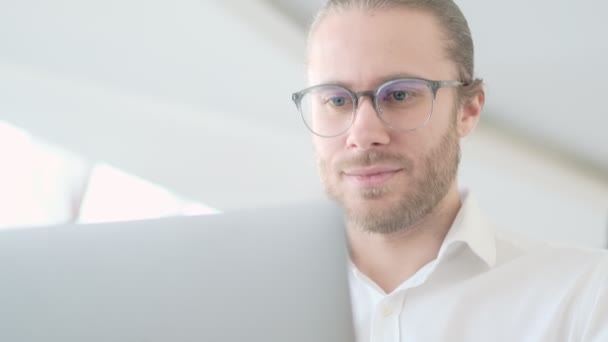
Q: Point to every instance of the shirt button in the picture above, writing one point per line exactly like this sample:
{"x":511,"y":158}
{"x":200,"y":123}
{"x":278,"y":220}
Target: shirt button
{"x":386,"y":311}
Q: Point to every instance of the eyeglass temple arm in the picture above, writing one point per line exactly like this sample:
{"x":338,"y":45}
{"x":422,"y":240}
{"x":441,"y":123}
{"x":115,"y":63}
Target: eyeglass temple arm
{"x":440,"y":84}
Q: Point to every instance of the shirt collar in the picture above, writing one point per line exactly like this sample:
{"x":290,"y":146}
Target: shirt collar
{"x":470,"y":227}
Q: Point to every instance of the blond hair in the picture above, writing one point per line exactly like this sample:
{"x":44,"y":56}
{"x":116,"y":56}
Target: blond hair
{"x":458,"y":40}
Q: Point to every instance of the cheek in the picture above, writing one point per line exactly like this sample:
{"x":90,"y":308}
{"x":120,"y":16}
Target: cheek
{"x":444,"y":114}
{"x":413,"y":147}
{"x":326,"y":148}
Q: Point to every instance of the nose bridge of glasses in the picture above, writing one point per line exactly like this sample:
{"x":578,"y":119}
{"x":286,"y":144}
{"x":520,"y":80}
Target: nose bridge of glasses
{"x":372,"y":105}
{"x":367,"y":93}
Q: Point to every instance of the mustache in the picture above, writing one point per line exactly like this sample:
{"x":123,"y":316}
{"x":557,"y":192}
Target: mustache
{"x":370,"y":158}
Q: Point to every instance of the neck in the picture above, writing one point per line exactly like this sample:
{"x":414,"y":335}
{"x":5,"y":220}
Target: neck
{"x":391,"y":259}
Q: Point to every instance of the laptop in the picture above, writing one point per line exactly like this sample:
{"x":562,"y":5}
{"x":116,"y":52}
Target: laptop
{"x":261,"y":275}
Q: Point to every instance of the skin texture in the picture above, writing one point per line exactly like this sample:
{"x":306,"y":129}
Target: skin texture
{"x":399,"y":189}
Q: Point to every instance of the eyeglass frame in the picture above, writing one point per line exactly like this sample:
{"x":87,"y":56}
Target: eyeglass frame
{"x":434,"y":85}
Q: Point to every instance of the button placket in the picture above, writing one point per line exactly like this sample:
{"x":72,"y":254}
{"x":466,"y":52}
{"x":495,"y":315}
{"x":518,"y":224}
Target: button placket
{"x":386,"y":324}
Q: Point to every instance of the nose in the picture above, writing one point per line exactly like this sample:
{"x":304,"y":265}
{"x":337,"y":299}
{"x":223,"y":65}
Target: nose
{"x":368,"y":130}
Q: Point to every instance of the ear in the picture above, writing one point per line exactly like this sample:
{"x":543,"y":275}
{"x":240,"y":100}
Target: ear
{"x":469,"y":114}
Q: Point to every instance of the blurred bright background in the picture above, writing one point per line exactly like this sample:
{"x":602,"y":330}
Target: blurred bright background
{"x":117,"y":110}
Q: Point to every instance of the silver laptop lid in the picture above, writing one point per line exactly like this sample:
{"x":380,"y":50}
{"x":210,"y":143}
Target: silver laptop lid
{"x":263,"y":275}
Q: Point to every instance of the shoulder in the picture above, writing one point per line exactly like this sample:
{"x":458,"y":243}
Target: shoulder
{"x":513,"y":247}
{"x":565,"y":273}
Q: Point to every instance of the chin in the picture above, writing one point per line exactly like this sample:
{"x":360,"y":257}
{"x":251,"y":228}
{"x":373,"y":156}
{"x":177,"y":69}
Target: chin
{"x":368,"y":200}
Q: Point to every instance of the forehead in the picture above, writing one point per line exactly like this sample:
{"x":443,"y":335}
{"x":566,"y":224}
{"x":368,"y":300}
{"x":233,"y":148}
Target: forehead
{"x":362,"y":48}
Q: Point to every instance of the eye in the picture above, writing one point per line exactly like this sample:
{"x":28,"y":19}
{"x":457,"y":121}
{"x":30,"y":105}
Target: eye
{"x":399,"y":95}
{"x":337,"y":101}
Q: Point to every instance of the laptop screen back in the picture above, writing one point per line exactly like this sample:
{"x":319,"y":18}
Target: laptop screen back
{"x":263,"y":275}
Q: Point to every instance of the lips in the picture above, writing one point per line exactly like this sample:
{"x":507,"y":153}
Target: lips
{"x":370,"y":176}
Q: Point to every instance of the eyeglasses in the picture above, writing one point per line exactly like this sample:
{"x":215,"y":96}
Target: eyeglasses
{"x":403,"y":104}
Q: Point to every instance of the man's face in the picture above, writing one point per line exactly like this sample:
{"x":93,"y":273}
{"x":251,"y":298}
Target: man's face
{"x":385,"y":179}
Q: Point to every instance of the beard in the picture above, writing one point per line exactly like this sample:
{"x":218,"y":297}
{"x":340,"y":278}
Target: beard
{"x":414,"y":202}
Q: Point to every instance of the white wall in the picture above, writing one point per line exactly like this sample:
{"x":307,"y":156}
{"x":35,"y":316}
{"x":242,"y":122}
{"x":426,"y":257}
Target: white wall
{"x":528,"y":190}
{"x":186,"y":95}
{"x":195,"y":96}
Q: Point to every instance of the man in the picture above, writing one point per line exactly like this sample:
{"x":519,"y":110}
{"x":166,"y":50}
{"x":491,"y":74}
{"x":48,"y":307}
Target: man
{"x":392,"y":93}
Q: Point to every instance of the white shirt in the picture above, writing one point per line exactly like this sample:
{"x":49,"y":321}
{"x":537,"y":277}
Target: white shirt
{"x":485,"y":286}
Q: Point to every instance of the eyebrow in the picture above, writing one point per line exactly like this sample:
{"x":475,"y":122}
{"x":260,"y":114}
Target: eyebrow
{"x":378,"y":81}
